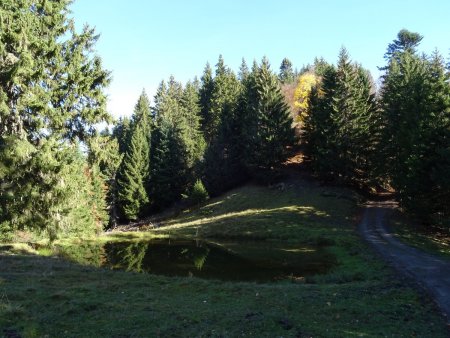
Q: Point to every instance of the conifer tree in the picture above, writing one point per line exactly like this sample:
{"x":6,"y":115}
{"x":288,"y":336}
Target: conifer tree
{"x":286,"y":75}
{"x":273,"y":124}
{"x":169,"y":168}
{"x":319,"y":129}
{"x":106,"y":158}
{"x":341,"y":129}
{"x":178,"y":144}
{"x":416,"y":108}
{"x":51,"y":97}
{"x":193,"y":137}
{"x":205,"y":94}
{"x":50,"y":84}
{"x":121,"y":133}
{"x":134,"y":171}
{"x":224,"y":92}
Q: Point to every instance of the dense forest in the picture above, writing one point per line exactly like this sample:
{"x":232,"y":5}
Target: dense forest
{"x":61,"y":176}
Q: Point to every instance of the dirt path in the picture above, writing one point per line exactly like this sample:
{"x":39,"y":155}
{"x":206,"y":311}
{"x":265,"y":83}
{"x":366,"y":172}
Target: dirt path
{"x":430,"y":272}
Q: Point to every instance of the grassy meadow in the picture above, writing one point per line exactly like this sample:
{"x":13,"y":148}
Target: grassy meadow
{"x":42,"y":295}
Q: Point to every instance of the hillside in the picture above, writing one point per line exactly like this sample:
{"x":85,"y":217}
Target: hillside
{"x":358,"y":296}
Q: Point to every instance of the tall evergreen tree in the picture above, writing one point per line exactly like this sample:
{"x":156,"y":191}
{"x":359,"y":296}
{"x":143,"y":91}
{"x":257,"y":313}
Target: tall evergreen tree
{"x":50,"y":83}
{"x":205,"y":94}
{"x":273,"y":123}
{"x":134,"y":171}
{"x":121,"y":133}
{"x":51,"y":96}
{"x":341,"y":127}
{"x":169,"y":173}
{"x":416,"y":107}
{"x":178,"y":144}
{"x":193,"y":137}
{"x":319,"y":128}
{"x":104,"y":154}
{"x":225,"y":91}
{"x":286,"y":74}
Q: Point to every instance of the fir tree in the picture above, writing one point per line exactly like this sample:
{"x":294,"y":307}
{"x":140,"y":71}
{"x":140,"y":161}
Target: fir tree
{"x":169,"y":169}
{"x":134,"y":172}
{"x":341,"y":128}
{"x":50,"y":84}
{"x":51,"y":97}
{"x":416,"y":107}
{"x":274,"y":132}
{"x":205,"y":94}
{"x":104,"y":154}
{"x":121,"y":133}
{"x":319,"y":128}
{"x":286,"y":75}
{"x":225,"y":91}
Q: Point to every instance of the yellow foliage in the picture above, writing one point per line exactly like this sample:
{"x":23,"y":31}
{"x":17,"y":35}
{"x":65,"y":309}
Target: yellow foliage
{"x":305,"y":84}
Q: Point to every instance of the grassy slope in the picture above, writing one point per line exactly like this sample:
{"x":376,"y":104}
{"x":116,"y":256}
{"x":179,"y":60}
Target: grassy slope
{"x":46,"y":296}
{"x":434,"y":240}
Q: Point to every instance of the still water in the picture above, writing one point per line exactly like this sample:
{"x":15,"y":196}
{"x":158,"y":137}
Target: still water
{"x":259,"y":261}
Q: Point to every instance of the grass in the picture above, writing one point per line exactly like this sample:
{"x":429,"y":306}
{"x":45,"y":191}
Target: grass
{"x":430,"y":239}
{"x":360,"y":297}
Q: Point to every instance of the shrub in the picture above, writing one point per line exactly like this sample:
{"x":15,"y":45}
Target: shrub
{"x":198,"y":194}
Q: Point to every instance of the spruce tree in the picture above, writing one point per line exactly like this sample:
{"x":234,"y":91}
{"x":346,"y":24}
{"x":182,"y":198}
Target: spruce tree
{"x":193,"y":137}
{"x":50,"y":84}
{"x":286,"y":75}
{"x":121,"y":133}
{"x":416,"y":108}
{"x":104,"y":154}
{"x":134,"y":171}
{"x":341,"y":128}
{"x":224,"y":92}
{"x":205,"y":94}
{"x":51,"y":97}
{"x":169,"y":173}
{"x":319,"y":128}
{"x":273,"y":123}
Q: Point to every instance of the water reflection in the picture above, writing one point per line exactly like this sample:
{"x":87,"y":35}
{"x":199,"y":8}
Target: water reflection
{"x":234,"y":261}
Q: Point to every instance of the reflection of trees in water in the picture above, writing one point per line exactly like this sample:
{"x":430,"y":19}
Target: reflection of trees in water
{"x":128,"y":257}
{"x":200,"y":258}
{"x":84,"y":253}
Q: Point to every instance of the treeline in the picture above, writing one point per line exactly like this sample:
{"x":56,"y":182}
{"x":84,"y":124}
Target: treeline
{"x":217,"y":132}
{"x":59,"y":176}
{"x":398,"y":137}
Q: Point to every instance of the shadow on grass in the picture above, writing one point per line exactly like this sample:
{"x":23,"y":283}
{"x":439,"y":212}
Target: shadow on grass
{"x":43,"y":296}
{"x":262,"y":213}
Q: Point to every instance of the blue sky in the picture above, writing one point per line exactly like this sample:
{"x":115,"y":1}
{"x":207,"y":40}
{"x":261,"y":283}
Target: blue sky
{"x":145,"y":41}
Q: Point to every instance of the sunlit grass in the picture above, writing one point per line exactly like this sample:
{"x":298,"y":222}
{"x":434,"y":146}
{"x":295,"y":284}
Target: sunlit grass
{"x":433,"y":240}
{"x":44,"y":296}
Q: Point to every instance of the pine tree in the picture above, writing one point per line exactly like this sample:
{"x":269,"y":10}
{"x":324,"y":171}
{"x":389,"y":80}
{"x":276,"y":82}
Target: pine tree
{"x":205,"y":94}
{"x":50,"y":83}
{"x":169,"y":170}
{"x":104,"y":154}
{"x":134,"y":171}
{"x":51,"y":97}
{"x":273,"y":123}
{"x":319,"y":128}
{"x":224,"y":92}
{"x":50,"y":189}
{"x":286,"y":75}
{"x":341,"y":128}
{"x":121,"y":133}
{"x":193,"y":137}
{"x":416,"y":108}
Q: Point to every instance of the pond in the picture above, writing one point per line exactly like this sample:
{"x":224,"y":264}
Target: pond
{"x":258,"y":261}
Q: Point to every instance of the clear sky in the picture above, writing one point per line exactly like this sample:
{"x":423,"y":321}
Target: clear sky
{"x":145,"y":41}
